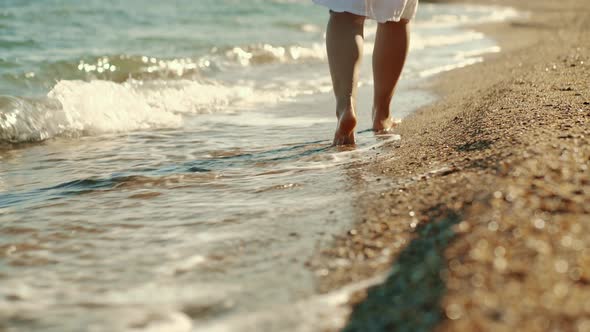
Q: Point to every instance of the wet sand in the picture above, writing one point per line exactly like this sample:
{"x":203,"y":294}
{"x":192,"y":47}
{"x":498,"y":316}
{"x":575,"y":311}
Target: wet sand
{"x":479,"y":216}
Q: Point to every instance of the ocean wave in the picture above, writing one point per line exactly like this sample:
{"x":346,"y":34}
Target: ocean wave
{"x":75,"y":108}
{"x":8,"y":44}
{"x":422,"y":41}
{"x":453,"y":15}
{"x":26,"y":120}
{"x":7,"y":64}
{"x":302,"y":27}
{"x":121,"y":68}
{"x":266,"y":53}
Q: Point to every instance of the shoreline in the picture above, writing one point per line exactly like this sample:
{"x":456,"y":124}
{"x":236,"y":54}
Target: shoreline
{"x":482,"y":227}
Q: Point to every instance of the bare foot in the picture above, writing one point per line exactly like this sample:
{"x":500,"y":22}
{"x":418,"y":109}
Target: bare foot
{"x":345,"y":130}
{"x":383,"y":123}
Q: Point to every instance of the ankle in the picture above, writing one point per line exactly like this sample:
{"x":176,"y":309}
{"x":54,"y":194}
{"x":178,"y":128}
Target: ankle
{"x":345,"y":104}
{"x":381,"y":114}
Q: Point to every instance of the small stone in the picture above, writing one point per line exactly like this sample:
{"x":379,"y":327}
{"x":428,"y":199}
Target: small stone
{"x":500,"y":251}
{"x":539,"y":223}
{"x":493,"y":226}
{"x":500,"y":264}
{"x":454,"y":311}
{"x":561,"y":266}
{"x":323,"y":272}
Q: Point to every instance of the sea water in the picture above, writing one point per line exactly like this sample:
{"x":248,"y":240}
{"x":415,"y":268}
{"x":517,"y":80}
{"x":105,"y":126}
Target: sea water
{"x":166,"y":165}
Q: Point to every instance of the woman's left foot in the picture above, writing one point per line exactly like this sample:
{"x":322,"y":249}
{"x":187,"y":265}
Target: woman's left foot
{"x":381,"y":126}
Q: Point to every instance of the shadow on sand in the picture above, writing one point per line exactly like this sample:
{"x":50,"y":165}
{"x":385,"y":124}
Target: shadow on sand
{"x":409,"y":300}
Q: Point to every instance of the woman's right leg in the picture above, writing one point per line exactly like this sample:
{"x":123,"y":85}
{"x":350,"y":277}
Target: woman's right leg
{"x":389,"y":57}
{"x":344,"y":40}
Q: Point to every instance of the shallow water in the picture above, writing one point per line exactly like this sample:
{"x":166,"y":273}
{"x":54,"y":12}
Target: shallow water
{"x":177,"y":176}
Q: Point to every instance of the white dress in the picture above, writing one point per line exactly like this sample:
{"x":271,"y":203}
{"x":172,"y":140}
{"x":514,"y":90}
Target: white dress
{"x":380,"y":10}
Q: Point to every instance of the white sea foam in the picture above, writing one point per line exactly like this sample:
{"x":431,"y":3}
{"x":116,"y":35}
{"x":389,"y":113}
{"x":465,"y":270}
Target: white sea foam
{"x":446,"y":16}
{"x":102,"y":106}
{"x":266,"y":53}
{"x":321,"y":312}
{"x":422,"y":41}
{"x":78,"y":107}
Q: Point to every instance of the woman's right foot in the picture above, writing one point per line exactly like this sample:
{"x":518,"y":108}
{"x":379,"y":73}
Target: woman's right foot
{"x":345,"y":130}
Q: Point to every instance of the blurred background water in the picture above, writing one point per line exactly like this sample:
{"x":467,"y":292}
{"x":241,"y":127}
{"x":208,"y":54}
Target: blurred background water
{"x":166,"y":165}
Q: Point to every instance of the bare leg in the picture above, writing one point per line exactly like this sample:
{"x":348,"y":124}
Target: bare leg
{"x":389,"y":57}
{"x":345,"y":49}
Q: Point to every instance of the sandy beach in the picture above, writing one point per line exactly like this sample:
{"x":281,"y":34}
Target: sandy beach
{"x":175,"y":171}
{"x":167,"y":166}
{"x":483,"y":211}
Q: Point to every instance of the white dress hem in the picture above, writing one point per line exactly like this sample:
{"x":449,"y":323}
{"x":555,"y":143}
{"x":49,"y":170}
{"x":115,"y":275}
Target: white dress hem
{"x":379,"y":10}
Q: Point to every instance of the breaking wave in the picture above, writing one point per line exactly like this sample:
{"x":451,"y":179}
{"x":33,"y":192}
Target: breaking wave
{"x":74,"y":108}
